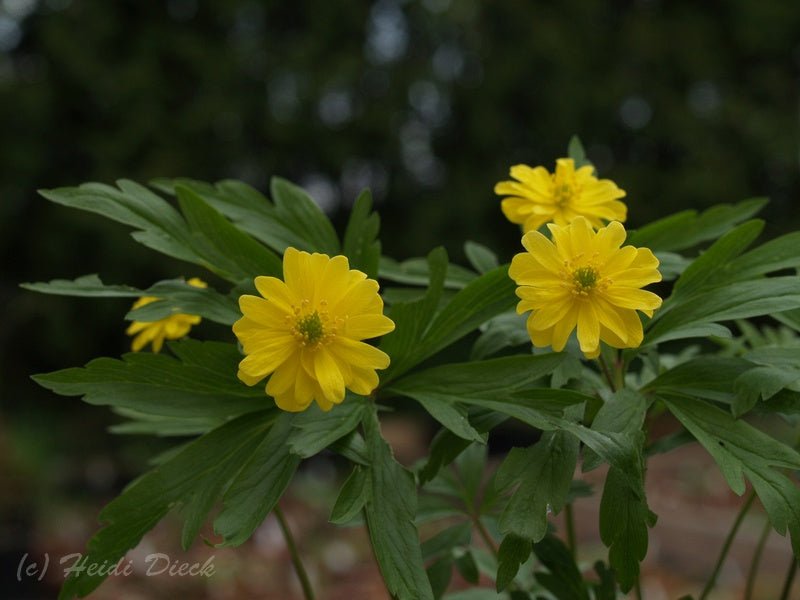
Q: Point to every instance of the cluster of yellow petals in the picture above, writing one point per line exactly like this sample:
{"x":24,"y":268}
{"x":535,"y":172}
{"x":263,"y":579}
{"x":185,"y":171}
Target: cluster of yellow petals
{"x":585,"y":279}
{"x":537,"y":197}
{"x":172,"y":327}
{"x":306,"y":332}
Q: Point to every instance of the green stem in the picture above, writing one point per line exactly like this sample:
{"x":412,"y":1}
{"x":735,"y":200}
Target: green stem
{"x":754,"y":563}
{"x":606,"y":373}
{"x":308,"y":592}
{"x":638,"y":589}
{"x":727,"y":545}
{"x":569,"y":519}
{"x":490,"y":543}
{"x":787,"y":585}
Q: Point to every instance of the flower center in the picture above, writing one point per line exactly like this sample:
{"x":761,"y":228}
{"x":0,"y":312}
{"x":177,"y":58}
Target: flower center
{"x":585,"y":279}
{"x":310,"y":328}
{"x":563,"y":194}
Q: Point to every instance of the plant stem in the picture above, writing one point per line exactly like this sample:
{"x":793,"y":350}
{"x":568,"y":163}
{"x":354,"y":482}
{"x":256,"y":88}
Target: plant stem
{"x":490,"y":543}
{"x":727,"y":545}
{"x":569,"y":519}
{"x":756,"y":560}
{"x":787,"y":586}
{"x":308,"y":592}
{"x":606,"y":373}
{"x":638,"y":589}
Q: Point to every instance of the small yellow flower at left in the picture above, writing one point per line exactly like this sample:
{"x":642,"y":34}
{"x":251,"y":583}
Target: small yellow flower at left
{"x":172,"y":327}
{"x":307,"y":332}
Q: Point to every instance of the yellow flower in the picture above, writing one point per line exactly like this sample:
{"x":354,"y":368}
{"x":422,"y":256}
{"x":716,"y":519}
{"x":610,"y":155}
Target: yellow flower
{"x":172,"y":327}
{"x":584,"y":278}
{"x":538,"y":197}
{"x":306,"y":332}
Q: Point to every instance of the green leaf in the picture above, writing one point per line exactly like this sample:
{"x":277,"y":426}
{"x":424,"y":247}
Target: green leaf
{"x":500,"y":332}
{"x":513,"y":551}
{"x":761,"y":383}
{"x":223,"y":248}
{"x":738,"y":300}
{"x":576,"y":152}
{"x":412,"y":319}
{"x":201,"y":382}
{"x":444,"y":542}
{"x":708,"y":264}
{"x":249,"y":210}
{"x":774,"y":255}
{"x":352,"y":497}
{"x":145,"y":424}
{"x":159,"y":226}
{"x":687,"y":229}
{"x":624,"y":519}
{"x":194,"y":478}
{"x":482,"y":299}
{"x":671,"y":265}
{"x":259,"y":485}
{"x":468,"y":568}
{"x":179,"y":297}
{"x":441,"y":389}
{"x":607,"y":588}
{"x":439,"y":575}
{"x":563,"y":578}
{"x":361,"y":243}
{"x":316,"y":429}
{"x":416,"y":271}
{"x":544,"y":474}
{"x":708,"y":377}
{"x":741,"y":450}
{"x":88,"y":286}
{"x":390,"y":512}
{"x":480,"y":257}
{"x":622,"y":412}
{"x":299,"y":212}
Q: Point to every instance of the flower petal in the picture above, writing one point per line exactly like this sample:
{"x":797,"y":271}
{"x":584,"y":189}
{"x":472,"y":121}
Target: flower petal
{"x":361,"y":327}
{"x":588,"y":328}
{"x":328,"y":376}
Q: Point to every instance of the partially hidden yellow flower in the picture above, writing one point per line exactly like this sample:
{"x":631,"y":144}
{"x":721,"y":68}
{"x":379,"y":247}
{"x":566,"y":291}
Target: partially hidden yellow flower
{"x":307,"y":331}
{"x":584,"y":279}
{"x":172,"y":327}
{"x":538,"y":197}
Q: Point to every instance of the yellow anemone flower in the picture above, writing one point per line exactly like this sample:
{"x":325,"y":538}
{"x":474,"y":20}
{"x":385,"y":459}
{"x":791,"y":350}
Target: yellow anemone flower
{"x":538,"y":197}
{"x":172,"y":327}
{"x":584,"y":278}
{"x":307,"y":332}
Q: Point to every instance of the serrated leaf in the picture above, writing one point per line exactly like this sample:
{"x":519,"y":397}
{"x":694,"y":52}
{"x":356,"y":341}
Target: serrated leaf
{"x":624,"y":520}
{"x":201,"y":382}
{"x":352,"y":497}
{"x":390,"y":511}
{"x":760,"y":383}
{"x":513,"y":552}
{"x":315,"y":429}
{"x":741,"y":450}
{"x":439,"y":574}
{"x":159,"y":226}
{"x":361,"y":243}
{"x":480,"y":257}
{"x":255,"y":492}
{"x":544,"y":474}
{"x":299,"y":212}
{"x":224,"y":249}
{"x":708,"y":377}
{"x":193,"y":477}
{"x":563,"y":577}
{"x":622,"y":412}
{"x":687,"y":229}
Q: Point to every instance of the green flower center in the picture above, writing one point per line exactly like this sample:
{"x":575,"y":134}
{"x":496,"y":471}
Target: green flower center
{"x":310,"y":328}
{"x":585,"y":279}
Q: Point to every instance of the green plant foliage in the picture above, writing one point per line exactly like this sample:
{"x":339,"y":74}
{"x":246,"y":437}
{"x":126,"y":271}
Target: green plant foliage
{"x":461,"y":352}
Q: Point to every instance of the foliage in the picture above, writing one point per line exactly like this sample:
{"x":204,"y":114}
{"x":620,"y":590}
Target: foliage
{"x":245,"y":451}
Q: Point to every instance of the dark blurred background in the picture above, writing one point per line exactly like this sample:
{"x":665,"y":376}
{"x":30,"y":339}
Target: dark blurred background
{"x":684,"y":104}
